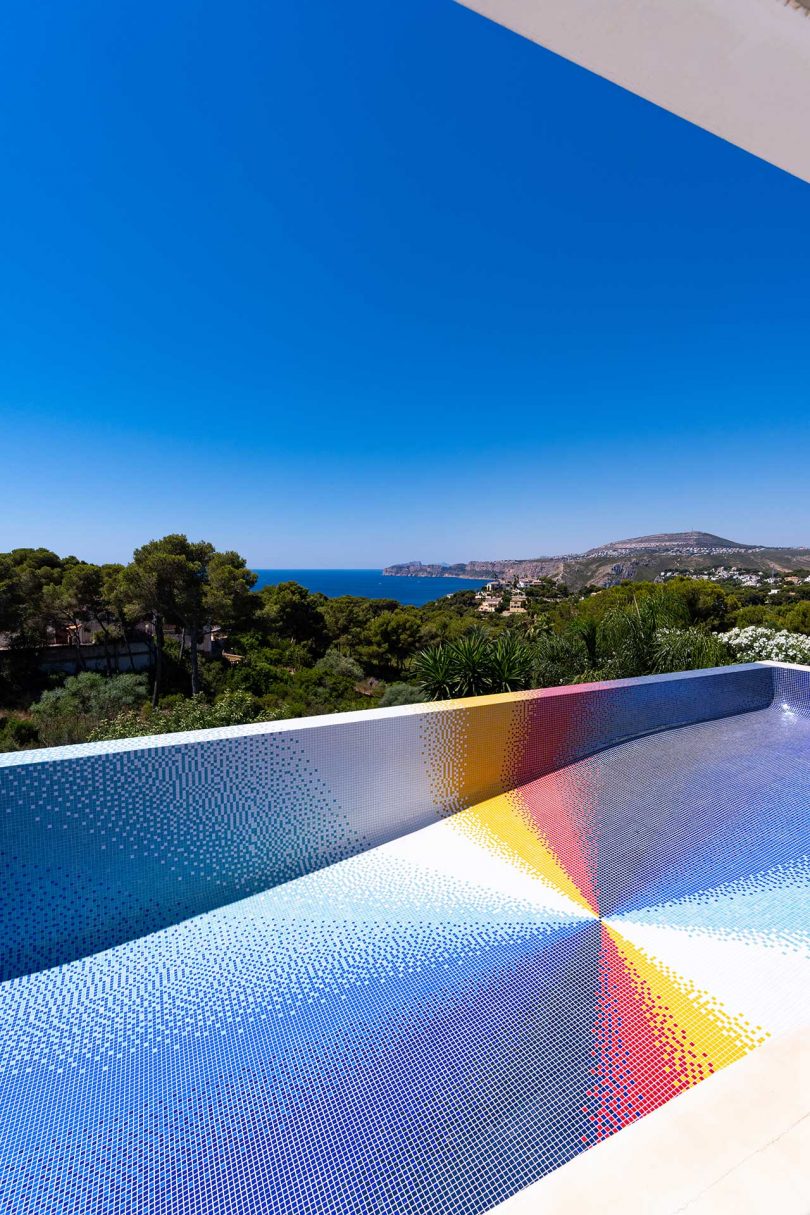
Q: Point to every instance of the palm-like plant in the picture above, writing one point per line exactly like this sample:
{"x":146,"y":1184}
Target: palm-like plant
{"x":627,"y":635}
{"x":510,"y":664}
{"x":653,"y":635}
{"x":689,"y":650}
{"x":559,"y":658}
{"x":587,"y":630}
{"x":432,"y":670}
{"x":473,"y":666}
{"x":647,"y":636}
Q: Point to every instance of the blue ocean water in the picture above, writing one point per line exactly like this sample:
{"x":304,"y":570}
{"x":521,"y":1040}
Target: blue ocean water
{"x":369,"y":584}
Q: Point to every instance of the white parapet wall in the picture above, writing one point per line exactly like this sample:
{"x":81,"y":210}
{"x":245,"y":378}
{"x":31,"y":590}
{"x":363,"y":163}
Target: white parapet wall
{"x":737,"y":68}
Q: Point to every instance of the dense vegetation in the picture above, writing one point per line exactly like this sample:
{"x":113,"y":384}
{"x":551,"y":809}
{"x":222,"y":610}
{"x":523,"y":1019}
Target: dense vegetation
{"x":285,"y":652}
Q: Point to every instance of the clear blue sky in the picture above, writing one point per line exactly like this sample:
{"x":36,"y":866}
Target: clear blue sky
{"x":344,"y":284}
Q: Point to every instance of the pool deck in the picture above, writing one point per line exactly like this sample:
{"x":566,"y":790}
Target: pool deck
{"x":683,"y":1160}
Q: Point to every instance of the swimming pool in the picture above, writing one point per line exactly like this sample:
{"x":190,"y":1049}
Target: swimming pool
{"x":402,"y":961}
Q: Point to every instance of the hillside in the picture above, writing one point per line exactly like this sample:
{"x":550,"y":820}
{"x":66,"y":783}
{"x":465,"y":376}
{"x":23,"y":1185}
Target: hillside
{"x":639,"y":558}
{"x":673,"y":542}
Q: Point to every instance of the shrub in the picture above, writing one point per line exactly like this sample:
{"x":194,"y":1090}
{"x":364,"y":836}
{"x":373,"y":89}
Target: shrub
{"x":230,"y":709}
{"x":756,"y":613}
{"x":648,"y":635}
{"x":628,"y":636}
{"x":797,"y":619}
{"x":757,"y":643}
{"x":401,"y":694}
{"x":17,"y":734}
{"x":335,"y":663}
{"x":560,"y":658}
{"x":84,"y":702}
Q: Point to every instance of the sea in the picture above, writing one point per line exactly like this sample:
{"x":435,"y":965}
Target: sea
{"x":369,"y":584}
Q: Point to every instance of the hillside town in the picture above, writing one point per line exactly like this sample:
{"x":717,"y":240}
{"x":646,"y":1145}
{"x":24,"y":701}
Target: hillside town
{"x":740,"y":576}
{"x":498,"y":597}
{"x":510,"y":598}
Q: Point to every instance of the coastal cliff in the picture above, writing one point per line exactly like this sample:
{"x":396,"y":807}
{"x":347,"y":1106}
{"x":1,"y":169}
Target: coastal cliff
{"x":642,"y":557}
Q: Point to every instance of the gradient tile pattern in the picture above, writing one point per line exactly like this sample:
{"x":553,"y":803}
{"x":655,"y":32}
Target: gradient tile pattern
{"x":104,"y":842}
{"x":429,"y":1024}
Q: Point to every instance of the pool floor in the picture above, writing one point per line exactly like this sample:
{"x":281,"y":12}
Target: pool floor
{"x":435,"y":1023}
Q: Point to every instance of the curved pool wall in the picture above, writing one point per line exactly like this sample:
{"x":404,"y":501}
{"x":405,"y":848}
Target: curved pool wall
{"x":106,"y":842}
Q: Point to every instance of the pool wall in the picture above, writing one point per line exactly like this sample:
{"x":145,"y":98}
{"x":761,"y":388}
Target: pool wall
{"x":108,"y":841}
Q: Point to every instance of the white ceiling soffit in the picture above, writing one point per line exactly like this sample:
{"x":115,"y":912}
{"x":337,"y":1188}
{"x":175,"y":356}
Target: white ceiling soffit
{"x":738,"y":68}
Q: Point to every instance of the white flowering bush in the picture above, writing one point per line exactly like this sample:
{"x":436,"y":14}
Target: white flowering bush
{"x":755,"y":643}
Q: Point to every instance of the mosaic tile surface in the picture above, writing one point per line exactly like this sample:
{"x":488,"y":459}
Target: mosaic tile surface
{"x":108,"y":841}
{"x":430,"y":1024}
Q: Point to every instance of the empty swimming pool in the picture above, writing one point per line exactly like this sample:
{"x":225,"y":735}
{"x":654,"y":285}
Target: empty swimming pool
{"x":408,"y":961}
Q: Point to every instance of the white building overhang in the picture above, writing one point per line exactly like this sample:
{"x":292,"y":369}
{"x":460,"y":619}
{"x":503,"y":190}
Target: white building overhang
{"x":737,"y":68}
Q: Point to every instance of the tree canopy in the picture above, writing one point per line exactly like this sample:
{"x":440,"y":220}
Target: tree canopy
{"x":222,"y":651}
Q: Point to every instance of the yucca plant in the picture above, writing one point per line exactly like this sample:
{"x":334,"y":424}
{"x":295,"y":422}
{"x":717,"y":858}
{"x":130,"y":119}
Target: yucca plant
{"x":471,"y":660}
{"x":510,"y":664}
{"x":473,"y":666}
{"x":432,"y":670}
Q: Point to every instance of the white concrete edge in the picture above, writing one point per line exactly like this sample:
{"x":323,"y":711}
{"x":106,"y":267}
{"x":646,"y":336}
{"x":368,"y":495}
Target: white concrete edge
{"x":788,"y":666}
